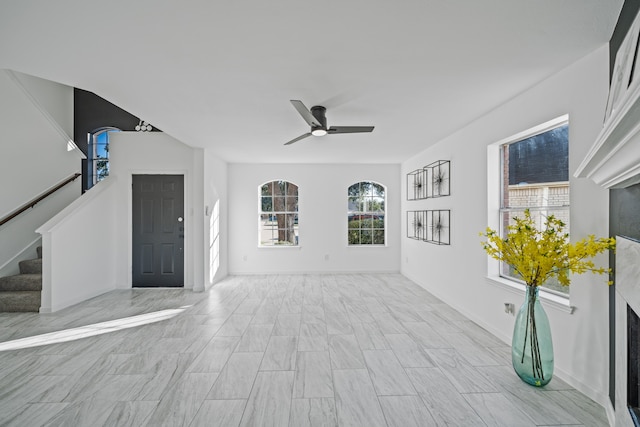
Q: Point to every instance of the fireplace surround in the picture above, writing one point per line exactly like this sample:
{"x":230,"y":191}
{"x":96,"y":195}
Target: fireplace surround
{"x":633,"y":364}
{"x":627,"y":295}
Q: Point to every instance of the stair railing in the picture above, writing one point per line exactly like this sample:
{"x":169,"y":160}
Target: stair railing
{"x":38,"y":199}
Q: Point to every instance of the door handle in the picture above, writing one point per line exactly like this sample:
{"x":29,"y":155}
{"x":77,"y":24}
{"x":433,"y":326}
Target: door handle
{"x":179,"y":219}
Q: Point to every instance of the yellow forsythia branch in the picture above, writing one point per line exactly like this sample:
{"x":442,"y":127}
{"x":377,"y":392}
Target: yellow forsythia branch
{"x":538,"y":255}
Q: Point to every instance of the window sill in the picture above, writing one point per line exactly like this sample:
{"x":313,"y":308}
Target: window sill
{"x":548,"y":299}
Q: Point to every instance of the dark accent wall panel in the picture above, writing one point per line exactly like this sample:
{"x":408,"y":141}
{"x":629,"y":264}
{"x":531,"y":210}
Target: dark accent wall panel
{"x":624,"y":212}
{"x":624,"y":220}
{"x":91,"y":112}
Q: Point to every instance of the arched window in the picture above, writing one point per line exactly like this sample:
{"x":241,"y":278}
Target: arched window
{"x":366,"y":214}
{"x":98,"y":155}
{"x":278,"y":214}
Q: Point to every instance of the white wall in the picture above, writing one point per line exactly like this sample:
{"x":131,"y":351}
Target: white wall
{"x":33,"y":158}
{"x":158,"y":153}
{"x":216,"y":224}
{"x":54,"y":98}
{"x":457,"y":273}
{"x":79,"y":249}
{"x":322,"y":219}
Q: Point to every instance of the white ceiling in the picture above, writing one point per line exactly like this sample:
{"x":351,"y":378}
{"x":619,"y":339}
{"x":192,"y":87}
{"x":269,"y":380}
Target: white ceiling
{"x":220,"y":73}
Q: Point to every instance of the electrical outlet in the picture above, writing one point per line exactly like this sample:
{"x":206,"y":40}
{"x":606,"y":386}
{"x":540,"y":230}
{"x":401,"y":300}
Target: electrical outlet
{"x":508,"y":308}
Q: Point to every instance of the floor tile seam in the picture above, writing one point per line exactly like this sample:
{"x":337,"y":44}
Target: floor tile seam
{"x":480,"y":392}
{"x":377,"y":396}
{"x":193,"y":417}
{"x":333,"y":390}
{"x":520,"y":411}
{"x":396,"y":394}
{"x":259,"y":365}
{"x":10,"y":420}
{"x":426,"y":404}
{"x":404,"y":370}
{"x":227,"y":399}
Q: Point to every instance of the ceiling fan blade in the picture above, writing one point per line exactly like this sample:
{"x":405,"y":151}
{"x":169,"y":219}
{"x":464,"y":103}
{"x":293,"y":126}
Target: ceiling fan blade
{"x":298,"y":138}
{"x":349,"y":129}
{"x":305,"y":113}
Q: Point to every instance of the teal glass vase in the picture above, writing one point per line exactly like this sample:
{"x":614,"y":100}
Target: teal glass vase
{"x":531,"y":346}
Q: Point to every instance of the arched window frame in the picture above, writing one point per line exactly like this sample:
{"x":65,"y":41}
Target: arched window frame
{"x":278,"y":215}
{"x":98,"y":155}
{"x":366,"y":214}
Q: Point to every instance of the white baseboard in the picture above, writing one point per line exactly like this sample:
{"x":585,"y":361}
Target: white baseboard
{"x":210,"y":285}
{"x":600,"y":398}
{"x":474,"y":319}
{"x":76,"y":300}
{"x":302,"y":273}
{"x":611,"y":412}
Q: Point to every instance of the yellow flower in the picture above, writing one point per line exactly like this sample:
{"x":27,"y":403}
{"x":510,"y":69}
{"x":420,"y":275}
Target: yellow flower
{"x":538,"y":255}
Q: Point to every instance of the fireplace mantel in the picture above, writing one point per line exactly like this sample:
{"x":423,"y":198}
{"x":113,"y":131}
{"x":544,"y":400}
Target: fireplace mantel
{"x":614,"y":159}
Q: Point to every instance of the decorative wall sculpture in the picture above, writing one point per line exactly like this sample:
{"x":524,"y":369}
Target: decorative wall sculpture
{"x":430,"y":181}
{"x":438,"y":174}
{"x":417,"y":185}
{"x":438,"y":227}
{"x":416,"y":225}
{"x":432,"y":226}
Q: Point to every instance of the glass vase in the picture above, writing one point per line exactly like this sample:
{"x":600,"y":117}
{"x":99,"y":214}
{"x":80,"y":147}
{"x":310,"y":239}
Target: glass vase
{"x":531,"y":346}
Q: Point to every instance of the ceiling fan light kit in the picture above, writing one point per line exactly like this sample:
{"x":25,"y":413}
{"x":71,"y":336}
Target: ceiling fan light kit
{"x":317,"y":120}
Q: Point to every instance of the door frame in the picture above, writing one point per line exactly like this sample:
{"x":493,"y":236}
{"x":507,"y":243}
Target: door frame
{"x":188,"y":218}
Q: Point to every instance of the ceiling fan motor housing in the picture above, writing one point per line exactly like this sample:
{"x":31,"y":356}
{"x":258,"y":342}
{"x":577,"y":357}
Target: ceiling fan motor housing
{"x":318,"y":111}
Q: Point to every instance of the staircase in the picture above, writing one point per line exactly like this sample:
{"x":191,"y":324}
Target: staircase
{"x":22,"y":291}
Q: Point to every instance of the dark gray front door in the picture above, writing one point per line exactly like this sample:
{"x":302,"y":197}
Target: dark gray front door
{"x":158,"y":230}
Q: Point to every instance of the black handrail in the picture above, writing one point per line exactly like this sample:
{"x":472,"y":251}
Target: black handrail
{"x":41,"y":197}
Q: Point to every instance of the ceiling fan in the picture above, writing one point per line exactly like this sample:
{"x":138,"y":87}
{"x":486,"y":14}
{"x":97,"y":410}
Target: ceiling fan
{"x":318,"y":122}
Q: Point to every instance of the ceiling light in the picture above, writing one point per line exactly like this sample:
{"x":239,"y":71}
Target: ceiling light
{"x":318,"y":132}
{"x":143,"y":126}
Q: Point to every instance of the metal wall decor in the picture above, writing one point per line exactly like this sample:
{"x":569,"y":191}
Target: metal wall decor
{"x":438,"y":230}
{"x":438,"y":174}
{"x":430,"y":226}
{"x":429,"y":182}
{"x":417,"y":185}
{"x":416,"y":225}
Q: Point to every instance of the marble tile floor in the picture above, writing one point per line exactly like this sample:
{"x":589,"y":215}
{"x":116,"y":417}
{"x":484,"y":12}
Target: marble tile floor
{"x":278,"y":350}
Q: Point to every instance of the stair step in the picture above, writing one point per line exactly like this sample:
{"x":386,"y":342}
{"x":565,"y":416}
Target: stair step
{"x":21,"y":282}
{"x":20,"y":301}
{"x":31,"y":266}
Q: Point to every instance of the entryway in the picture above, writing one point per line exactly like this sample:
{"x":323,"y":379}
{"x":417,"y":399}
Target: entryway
{"x":158,"y":231}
